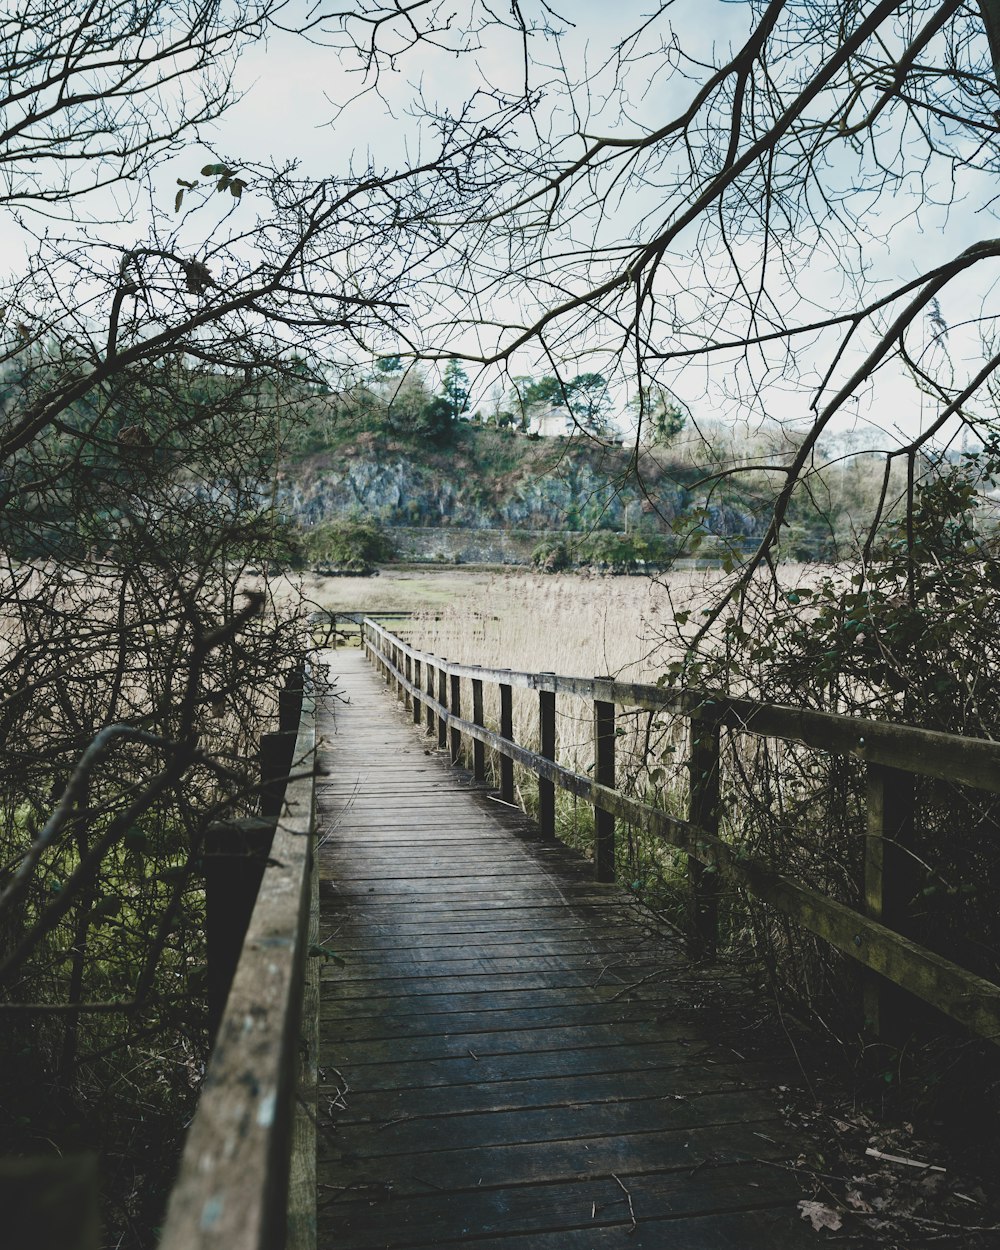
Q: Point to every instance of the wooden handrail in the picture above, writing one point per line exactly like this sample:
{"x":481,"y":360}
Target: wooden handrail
{"x":890,"y":750}
{"x":232,"y":1187}
{"x":928,"y":752}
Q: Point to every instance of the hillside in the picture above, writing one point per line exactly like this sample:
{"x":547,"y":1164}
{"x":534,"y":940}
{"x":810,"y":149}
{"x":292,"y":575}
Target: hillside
{"x":487,"y":479}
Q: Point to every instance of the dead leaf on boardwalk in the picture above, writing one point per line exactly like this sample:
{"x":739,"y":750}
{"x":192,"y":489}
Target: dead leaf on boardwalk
{"x":820,"y":1215}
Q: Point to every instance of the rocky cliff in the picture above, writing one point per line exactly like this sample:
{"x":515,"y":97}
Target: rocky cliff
{"x":521,"y":484}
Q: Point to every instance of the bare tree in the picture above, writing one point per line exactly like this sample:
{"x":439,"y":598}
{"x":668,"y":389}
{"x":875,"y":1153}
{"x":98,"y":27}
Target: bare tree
{"x":687,"y":208}
{"x":152,"y":347}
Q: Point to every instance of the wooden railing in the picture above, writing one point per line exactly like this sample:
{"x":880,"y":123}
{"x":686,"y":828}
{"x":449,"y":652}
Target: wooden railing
{"x":894,"y":755}
{"x":340,"y":629}
{"x":247,"y":1174}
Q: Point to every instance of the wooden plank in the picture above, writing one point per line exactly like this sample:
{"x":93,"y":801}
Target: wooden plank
{"x":547,"y":1208}
{"x":763,"y":1228}
{"x":301,"y":1224}
{"x":528,"y":1163}
{"x":487,"y":1028}
{"x":467,"y":1070}
{"x":231,"y":1190}
{"x":430,"y":1004}
{"x":685,"y":1083}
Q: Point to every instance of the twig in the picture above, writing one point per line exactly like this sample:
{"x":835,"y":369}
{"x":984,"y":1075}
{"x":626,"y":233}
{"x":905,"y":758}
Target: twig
{"x":628,"y":1199}
{"x":910,"y":1163}
{"x":636,"y":984}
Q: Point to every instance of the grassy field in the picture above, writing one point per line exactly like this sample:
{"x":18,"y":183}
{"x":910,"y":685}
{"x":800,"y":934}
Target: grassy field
{"x":571,"y":624}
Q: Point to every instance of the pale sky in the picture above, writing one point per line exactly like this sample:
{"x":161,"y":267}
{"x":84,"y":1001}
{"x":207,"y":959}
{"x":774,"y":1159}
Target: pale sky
{"x":286,"y":110}
{"x":290,"y":88}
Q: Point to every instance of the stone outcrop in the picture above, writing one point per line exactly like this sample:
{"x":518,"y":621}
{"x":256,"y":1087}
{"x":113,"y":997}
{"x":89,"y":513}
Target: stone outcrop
{"x":574,"y":495}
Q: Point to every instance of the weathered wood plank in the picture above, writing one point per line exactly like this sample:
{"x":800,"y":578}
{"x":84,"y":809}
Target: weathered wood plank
{"x":687,"y":1084}
{"x":231,"y":1191}
{"x":486,"y":1044}
{"x":547,"y":1208}
{"x":550,"y":1159}
{"x":301,"y":1226}
{"x":760,"y":1229}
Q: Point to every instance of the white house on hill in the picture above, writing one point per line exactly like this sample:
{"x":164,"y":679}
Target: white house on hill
{"x":551,"y":423}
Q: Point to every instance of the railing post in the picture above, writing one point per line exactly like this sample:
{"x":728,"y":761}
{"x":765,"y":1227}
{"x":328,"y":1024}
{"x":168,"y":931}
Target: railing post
{"x":455,"y":707}
{"x":604,"y":775}
{"x":547,"y":749}
{"x":506,"y":731}
{"x":430,"y":694}
{"x":703,"y":812}
{"x":478,"y":749}
{"x":235,"y":855}
{"x":333,"y":624}
{"x":275,"y":759}
{"x":290,"y":702}
{"x":51,"y":1201}
{"x":889,"y":884}
{"x":416,"y":686}
{"x":407,"y":697}
{"x":443,"y":700}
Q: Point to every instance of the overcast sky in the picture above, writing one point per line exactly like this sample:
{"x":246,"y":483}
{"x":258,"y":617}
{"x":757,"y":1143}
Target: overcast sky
{"x":291,"y":88}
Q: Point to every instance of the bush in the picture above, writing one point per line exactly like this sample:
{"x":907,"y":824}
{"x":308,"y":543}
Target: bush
{"x":354,"y":546}
{"x":551,"y":556}
{"x":604,"y":550}
{"x":908,"y":632}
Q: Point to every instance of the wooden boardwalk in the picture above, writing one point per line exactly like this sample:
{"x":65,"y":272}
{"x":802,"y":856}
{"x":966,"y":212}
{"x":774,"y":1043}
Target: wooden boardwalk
{"x":492,"y":1074}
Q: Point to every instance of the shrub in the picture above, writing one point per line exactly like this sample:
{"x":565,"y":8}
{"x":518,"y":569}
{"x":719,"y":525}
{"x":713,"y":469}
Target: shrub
{"x":551,"y":556}
{"x":349,"y":544}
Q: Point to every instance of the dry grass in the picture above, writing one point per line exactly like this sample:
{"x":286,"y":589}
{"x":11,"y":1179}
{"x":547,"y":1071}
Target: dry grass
{"x":571,"y":624}
{"x":392,"y":590}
